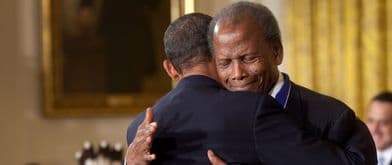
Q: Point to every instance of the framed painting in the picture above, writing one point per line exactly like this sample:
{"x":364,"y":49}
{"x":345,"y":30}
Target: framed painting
{"x":102,"y":57}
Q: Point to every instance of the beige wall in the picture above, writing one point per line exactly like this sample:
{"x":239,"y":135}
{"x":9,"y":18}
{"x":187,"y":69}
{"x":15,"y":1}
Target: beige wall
{"x":210,"y":7}
{"x":25,"y":135}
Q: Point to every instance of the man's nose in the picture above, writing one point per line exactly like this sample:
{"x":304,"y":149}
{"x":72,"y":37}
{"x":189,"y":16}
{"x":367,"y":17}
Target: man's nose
{"x":375,"y":128}
{"x":239,"y":72}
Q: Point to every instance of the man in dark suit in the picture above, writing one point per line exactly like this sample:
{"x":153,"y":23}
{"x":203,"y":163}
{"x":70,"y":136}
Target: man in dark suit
{"x":379,"y":122}
{"x":246,"y":43}
{"x":199,"y":114}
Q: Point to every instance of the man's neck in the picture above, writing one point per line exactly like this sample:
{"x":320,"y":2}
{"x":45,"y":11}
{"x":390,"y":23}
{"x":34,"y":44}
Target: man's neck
{"x":388,"y":149}
{"x":201,"y":69}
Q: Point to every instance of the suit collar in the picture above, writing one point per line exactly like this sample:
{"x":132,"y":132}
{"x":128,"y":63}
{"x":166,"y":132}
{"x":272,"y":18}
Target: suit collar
{"x":198,"y":81}
{"x":295,"y":106}
{"x":281,"y":90}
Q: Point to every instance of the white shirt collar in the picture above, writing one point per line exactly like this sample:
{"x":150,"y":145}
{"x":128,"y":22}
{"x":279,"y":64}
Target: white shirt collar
{"x":386,"y":154}
{"x":278,"y":86}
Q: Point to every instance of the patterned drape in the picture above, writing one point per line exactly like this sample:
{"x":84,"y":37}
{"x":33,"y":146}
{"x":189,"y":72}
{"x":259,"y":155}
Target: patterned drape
{"x":342,"y":48}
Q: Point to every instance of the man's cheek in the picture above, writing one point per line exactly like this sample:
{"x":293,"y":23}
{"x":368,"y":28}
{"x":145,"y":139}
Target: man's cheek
{"x":255,"y":71}
{"x":256,"y":68}
{"x":223,"y":74}
{"x":220,"y":74}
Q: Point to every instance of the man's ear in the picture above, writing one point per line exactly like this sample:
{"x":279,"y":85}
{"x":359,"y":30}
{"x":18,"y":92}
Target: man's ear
{"x":278,"y":53}
{"x":170,"y":70}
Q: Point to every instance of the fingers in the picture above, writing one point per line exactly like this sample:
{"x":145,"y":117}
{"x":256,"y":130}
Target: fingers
{"x":139,"y":150}
{"x":146,"y":130}
{"x":214,"y":159}
{"x":211,"y":156}
{"x":145,"y":134}
{"x":149,"y":116}
{"x":149,"y":157}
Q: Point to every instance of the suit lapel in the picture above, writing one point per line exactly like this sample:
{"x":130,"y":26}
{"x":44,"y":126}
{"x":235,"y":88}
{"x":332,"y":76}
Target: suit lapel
{"x":295,"y":106}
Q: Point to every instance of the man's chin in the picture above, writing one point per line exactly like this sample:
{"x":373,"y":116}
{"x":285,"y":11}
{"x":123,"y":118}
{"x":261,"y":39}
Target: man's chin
{"x":381,"y":145}
{"x":242,"y":89}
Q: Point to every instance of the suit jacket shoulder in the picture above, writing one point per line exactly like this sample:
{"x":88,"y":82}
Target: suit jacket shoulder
{"x":320,"y":111}
{"x":332,"y":121}
{"x":318,"y":102}
{"x":160,"y":108}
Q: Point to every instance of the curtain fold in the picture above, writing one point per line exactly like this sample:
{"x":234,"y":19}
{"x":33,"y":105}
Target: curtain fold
{"x":342,"y":48}
{"x":388,"y":15}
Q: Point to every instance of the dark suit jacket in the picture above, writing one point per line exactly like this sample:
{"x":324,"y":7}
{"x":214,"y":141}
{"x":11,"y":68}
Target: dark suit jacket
{"x":329,"y":133}
{"x":251,"y":129}
{"x":199,"y":115}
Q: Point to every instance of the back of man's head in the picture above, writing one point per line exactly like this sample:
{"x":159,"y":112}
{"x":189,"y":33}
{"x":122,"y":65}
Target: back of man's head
{"x":185,"y":41}
{"x":240,"y":11}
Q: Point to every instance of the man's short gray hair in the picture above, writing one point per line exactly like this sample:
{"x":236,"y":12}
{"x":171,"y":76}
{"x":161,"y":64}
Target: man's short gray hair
{"x":237,"y":12}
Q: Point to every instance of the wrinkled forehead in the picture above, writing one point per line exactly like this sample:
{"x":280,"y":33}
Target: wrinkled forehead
{"x":244,"y":27}
{"x":235,"y":21}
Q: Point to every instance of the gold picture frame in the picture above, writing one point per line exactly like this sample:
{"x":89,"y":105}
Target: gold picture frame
{"x":78,"y":80}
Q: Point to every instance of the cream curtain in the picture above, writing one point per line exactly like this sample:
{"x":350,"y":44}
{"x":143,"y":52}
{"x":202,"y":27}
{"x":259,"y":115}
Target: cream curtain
{"x":342,"y":48}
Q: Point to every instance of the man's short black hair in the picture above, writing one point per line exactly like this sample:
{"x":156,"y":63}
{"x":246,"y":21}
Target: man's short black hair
{"x":185,"y":41}
{"x":385,"y":96}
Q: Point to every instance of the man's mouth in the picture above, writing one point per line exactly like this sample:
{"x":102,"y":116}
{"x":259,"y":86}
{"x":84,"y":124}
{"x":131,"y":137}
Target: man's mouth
{"x":247,"y":86}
